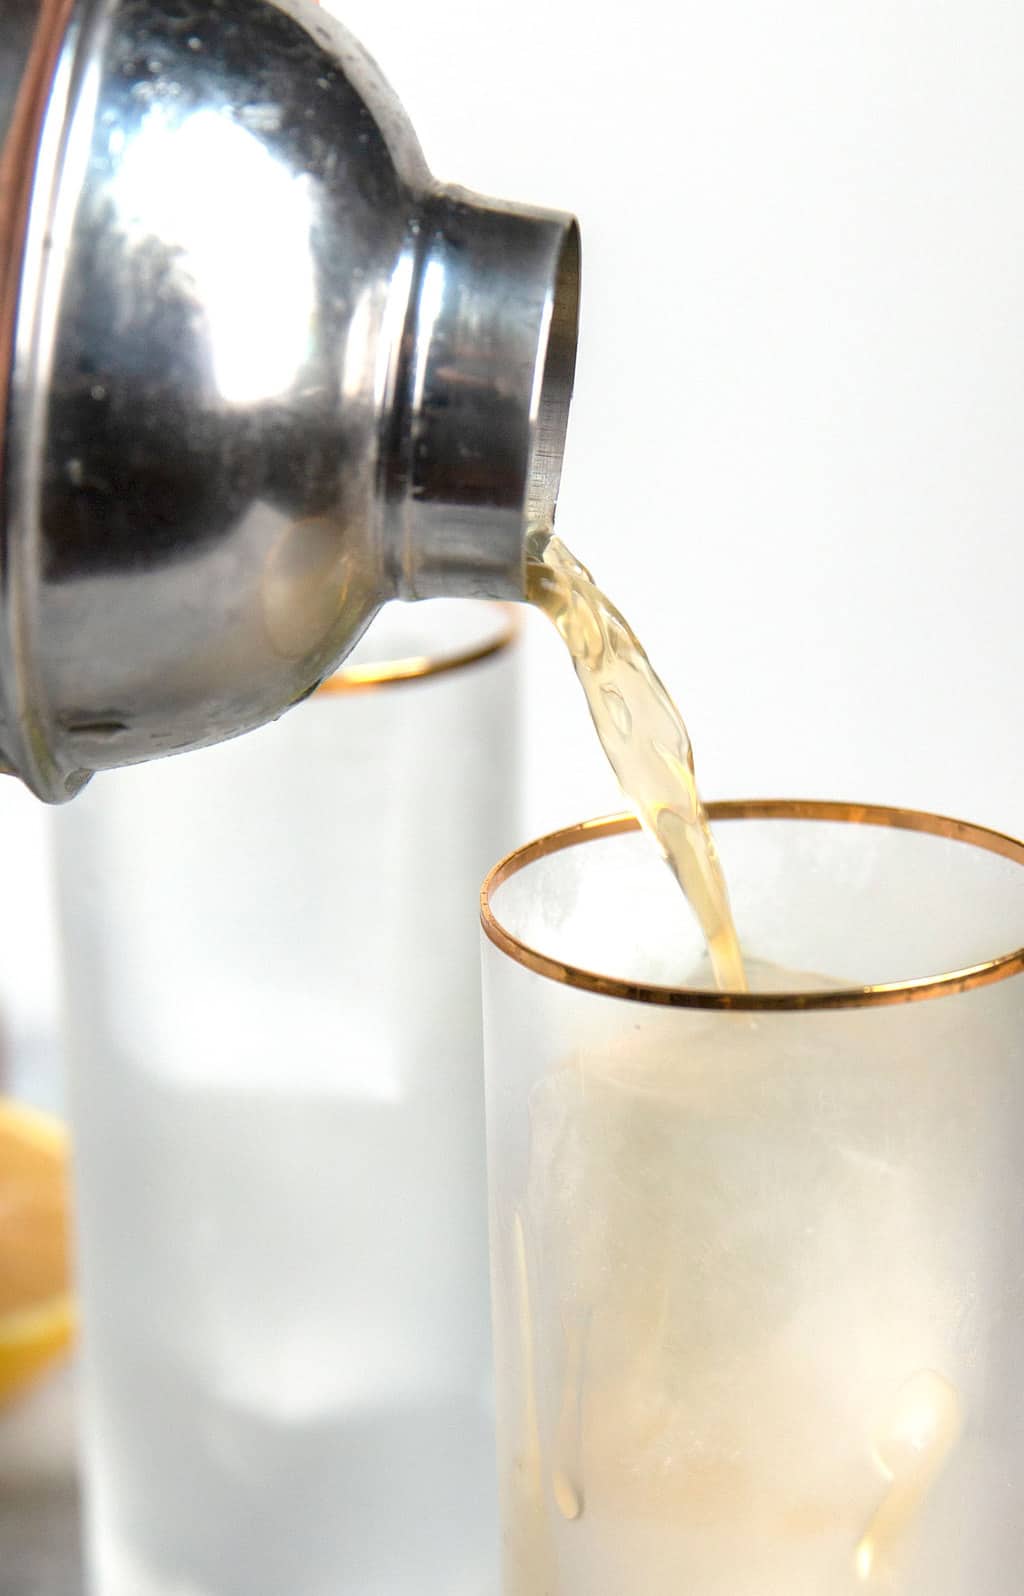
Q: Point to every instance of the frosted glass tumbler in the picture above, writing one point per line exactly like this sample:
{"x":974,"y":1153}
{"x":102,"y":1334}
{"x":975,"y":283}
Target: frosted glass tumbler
{"x":274,"y":1026}
{"x":758,"y":1259}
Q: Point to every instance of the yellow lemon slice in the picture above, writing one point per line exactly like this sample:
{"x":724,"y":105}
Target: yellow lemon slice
{"x":37,"y":1316}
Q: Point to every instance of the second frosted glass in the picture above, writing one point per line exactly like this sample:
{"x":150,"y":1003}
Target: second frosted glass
{"x":274,"y":1029}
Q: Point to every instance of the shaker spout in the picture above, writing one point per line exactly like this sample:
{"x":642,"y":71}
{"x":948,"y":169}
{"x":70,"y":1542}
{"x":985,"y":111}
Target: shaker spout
{"x":478,"y":429}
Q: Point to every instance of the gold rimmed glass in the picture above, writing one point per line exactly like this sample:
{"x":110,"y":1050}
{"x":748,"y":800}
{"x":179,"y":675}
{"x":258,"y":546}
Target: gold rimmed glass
{"x":274,"y":1032}
{"x":756,"y":1257}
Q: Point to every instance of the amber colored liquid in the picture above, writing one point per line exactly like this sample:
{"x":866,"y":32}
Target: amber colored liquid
{"x":600,"y":1154}
{"x":643,"y":735}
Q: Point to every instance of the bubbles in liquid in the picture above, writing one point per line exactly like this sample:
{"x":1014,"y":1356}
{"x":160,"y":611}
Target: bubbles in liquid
{"x":643,"y":735}
{"x":680,"y":768}
{"x":913,"y":1445}
{"x":619,"y":638}
{"x":582,"y":633}
{"x":618,"y":710}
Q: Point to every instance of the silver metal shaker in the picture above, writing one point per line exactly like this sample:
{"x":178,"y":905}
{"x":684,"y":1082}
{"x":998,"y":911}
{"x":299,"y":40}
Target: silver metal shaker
{"x":259,"y":373}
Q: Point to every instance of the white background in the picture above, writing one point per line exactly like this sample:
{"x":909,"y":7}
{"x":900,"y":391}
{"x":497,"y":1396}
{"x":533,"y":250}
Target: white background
{"x":796,"y":457}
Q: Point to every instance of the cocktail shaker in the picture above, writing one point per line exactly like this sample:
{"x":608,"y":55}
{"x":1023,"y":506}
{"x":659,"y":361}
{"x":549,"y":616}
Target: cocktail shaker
{"x":259,"y":373}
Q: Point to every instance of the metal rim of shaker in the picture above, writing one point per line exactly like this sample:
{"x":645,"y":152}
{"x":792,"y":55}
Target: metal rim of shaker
{"x":23,"y":171}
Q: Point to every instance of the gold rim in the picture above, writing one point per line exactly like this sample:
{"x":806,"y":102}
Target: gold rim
{"x":389,"y":672}
{"x":964,"y":980}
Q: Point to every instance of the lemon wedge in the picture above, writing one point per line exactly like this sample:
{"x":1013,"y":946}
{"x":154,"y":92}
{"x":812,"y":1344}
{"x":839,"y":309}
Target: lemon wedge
{"x":37,"y":1316}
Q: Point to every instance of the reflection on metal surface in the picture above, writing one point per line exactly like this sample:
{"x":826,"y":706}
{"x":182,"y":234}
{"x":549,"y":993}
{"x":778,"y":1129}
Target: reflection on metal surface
{"x":241,"y":243}
{"x":261,"y":315}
